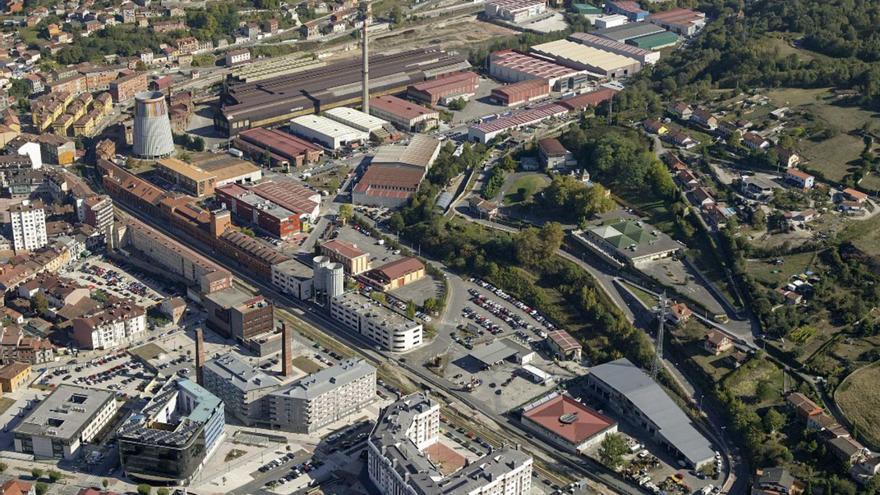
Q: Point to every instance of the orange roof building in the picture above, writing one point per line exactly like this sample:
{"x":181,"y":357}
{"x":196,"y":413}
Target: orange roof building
{"x":567,"y":422}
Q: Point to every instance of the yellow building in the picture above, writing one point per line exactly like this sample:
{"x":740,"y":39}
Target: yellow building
{"x":12,"y":376}
{"x":194,"y":179}
{"x":398,"y":273}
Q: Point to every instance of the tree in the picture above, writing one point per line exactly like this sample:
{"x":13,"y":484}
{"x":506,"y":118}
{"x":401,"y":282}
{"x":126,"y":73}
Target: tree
{"x":105,"y":483}
{"x":612,"y":449}
{"x":395,"y":15}
{"x":19,"y":88}
{"x":37,"y":473}
{"x":163,"y":491}
{"x":144,"y":489}
{"x":410,"y":310}
{"x":773,"y":420}
{"x":198,"y":144}
{"x":41,"y":488}
{"x":508,"y":163}
{"x":345,"y":213}
{"x":3,"y":467}
{"x":430,"y":305}
{"x":54,"y":476}
{"x":378,"y":296}
{"x":40,"y":303}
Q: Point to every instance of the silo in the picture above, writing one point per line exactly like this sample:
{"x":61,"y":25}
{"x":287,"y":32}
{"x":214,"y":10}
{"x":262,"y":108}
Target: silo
{"x":319,"y":278}
{"x":335,"y":280}
{"x":152,"y":128}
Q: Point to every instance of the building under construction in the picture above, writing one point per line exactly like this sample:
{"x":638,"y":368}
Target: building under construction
{"x":245,"y":105}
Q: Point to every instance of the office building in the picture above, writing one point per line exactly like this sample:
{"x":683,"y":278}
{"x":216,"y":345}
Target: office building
{"x":173,"y":436}
{"x":28,"y":222}
{"x":632,"y":394}
{"x":392,"y":331}
{"x":397,"y":461}
{"x":239,"y":315}
{"x":152,"y":128}
{"x":68,"y":418}
{"x":405,"y":115}
{"x":324,"y":397}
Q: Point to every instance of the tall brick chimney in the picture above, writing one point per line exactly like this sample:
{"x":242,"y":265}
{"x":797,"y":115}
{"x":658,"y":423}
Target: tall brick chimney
{"x":286,"y":350}
{"x":200,"y":356}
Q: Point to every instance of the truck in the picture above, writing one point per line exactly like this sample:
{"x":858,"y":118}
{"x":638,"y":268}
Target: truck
{"x":235,"y":152}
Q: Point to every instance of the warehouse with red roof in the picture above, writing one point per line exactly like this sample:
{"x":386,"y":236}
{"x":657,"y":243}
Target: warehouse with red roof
{"x":444,"y":88}
{"x":567,"y":423}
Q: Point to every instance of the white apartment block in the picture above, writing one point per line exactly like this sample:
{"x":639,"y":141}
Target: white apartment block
{"x":397,"y":464}
{"x":112,"y":327}
{"x":387,"y":328}
{"x":28,"y":221}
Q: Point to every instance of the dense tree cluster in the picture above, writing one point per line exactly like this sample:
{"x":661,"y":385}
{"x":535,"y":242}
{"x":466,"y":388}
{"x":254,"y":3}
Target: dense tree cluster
{"x":572,"y":199}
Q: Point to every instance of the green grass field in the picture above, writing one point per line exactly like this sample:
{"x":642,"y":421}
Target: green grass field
{"x":774,"y":275}
{"x":757,"y":376}
{"x":859,"y":399}
{"x":524,"y":188}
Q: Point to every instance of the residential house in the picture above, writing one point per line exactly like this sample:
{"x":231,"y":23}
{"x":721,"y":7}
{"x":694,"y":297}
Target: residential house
{"x":776,"y":481}
{"x":681,"y":110}
{"x":702,"y":196}
{"x":483,"y":208}
{"x":855,"y":195}
{"x":787,"y":158}
{"x":803,"y":406}
{"x":755,"y":141}
{"x":719,"y":214}
{"x":679,"y":313}
{"x":703,"y":117}
{"x":17,"y":487}
{"x":847,"y":449}
{"x":680,"y":139}
{"x":655,"y":126}
{"x":717,"y":343}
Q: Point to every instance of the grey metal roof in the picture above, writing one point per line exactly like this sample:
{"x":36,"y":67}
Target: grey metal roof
{"x":328,"y":379}
{"x":497,"y":351}
{"x":673,"y":424}
{"x":65,"y":412}
{"x":240,"y":374}
{"x":629,"y":31}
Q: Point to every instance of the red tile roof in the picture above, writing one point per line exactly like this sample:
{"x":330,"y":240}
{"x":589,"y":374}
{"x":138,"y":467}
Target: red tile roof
{"x":401,"y":268}
{"x":569,"y":419}
{"x":343,"y":248}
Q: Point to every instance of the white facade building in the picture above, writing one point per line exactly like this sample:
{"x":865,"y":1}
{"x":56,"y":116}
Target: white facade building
{"x":387,"y":328}
{"x":112,"y":327}
{"x":28,"y":221}
{"x":328,"y":132}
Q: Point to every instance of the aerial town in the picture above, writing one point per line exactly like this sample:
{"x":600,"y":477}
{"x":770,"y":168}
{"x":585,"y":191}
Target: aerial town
{"x":439,"y":247}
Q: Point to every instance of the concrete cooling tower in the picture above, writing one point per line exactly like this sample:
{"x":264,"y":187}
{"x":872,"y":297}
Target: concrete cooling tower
{"x":152,"y":128}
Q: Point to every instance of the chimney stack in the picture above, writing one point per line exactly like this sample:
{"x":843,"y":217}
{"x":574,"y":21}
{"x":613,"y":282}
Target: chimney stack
{"x":200,"y":356}
{"x":365,"y":15}
{"x":286,"y":350}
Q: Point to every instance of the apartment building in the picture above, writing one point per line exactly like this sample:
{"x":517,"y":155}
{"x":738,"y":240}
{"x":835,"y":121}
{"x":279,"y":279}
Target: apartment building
{"x":28,"y":222}
{"x":384,"y":326}
{"x":114,"y":326}
{"x":397,"y":462}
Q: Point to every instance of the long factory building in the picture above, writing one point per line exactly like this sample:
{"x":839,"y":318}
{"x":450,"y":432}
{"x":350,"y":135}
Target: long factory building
{"x":278,"y":99}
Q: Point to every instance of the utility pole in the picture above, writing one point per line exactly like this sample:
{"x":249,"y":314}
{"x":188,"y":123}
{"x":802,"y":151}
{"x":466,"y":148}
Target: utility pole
{"x":365,"y":72}
{"x":655,"y":369}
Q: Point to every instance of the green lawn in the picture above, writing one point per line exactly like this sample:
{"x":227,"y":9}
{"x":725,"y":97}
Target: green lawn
{"x":522,"y":190}
{"x":773,"y":275}
{"x":757,"y":375}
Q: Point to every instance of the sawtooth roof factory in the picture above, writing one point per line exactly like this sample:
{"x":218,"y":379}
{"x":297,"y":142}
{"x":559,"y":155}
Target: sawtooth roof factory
{"x":278,"y":99}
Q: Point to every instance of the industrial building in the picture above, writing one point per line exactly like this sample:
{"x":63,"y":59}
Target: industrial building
{"x":292,"y":196}
{"x":353,"y":259}
{"x":632,"y":10}
{"x":152,"y":127}
{"x":642,"y":55}
{"x":501,"y":350}
{"x":278,"y":99}
{"x":356,"y":119}
{"x":627,"y":242}
{"x":445,"y":88}
{"x":553,"y":154}
{"x":685,"y":22}
{"x":252,"y":209}
{"x":629,"y":31}
{"x":600,"y":63}
{"x":395,"y":173}
{"x":521,"y":93}
{"x":654,"y":41}
{"x":239,"y":315}
{"x":396,"y":274}
{"x":324,"y":397}
{"x":65,"y":420}
{"x":328,"y":279}
{"x":174,"y":435}
{"x":405,"y":115}
{"x":397,"y":461}
{"x":293,"y":278}
{"x":392,"y":331}
{"x":567,"y":423}
{"x":609,"y":21}
{"x":592,"y":99}
{"x":487,"y":131}
{"x":199,"y":179}
{"x":564,"y":346}
{"x":283,"y":149}
{"x":329,"y":133}
{"x":514,"y":10}
{"x":512,"y":66}
{"x":632,"y":394}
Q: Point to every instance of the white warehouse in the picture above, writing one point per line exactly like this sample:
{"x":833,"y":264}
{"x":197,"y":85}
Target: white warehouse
{"x":356,"y":119}
{"x":327,"y":132}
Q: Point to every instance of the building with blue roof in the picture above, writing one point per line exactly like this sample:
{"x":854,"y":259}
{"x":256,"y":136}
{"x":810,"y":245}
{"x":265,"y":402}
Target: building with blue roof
{"x":174,"y":435}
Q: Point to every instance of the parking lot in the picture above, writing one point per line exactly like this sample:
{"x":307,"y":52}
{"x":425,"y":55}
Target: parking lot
{"x":118,"y":372}
{"x":100,"y":274}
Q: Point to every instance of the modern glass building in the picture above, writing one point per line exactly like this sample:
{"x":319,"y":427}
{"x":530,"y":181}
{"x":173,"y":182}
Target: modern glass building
{"x":170,"y":440}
